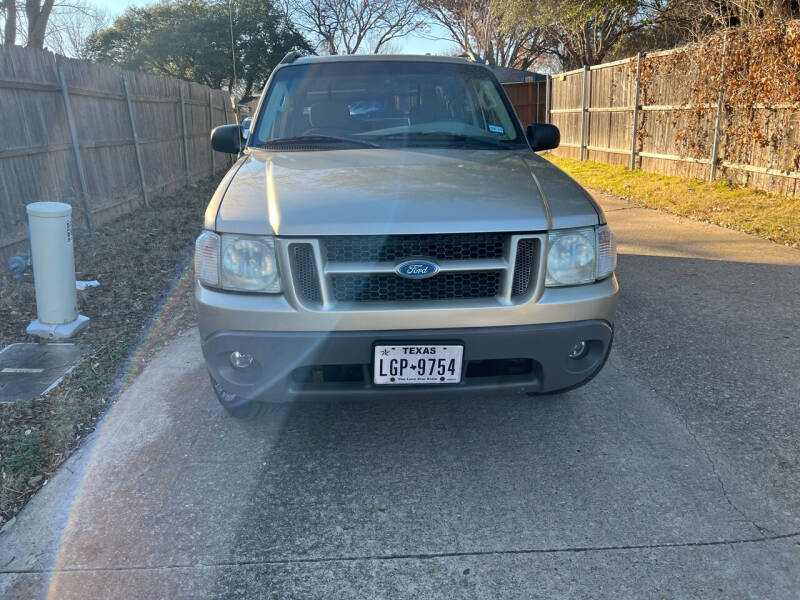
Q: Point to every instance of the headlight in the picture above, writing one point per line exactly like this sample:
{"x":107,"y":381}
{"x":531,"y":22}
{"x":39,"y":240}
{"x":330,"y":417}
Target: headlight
{"x":241,"y":263}
{"x":571,"y":257}
{"x":579,"y":256}
{"x":248,"y":264}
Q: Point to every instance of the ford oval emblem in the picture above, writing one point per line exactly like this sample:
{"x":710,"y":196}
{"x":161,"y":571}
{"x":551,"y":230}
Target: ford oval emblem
{"x":417,"y":269}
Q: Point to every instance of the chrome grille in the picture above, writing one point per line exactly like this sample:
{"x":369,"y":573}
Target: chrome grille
{"x":444,"y":246}
{"x":390,"y":287}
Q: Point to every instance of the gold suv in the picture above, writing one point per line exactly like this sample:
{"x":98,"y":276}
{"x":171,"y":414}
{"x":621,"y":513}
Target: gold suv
{"x":389,"y":229}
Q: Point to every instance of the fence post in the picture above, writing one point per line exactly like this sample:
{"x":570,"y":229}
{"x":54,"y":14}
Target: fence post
{"x":636,"y":110}
{"x":715,"y":145}
{"x":547,"y":84}
{"x":211,"y":125}
{"x":75,"y":147}
{"x":185,"y":143}
{"x":583,"y":112}
{"x":135,"y":141}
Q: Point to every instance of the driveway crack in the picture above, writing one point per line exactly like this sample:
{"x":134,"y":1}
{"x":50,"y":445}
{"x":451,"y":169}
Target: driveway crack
{"x":720,"y":481}
{"x":409,"y":556}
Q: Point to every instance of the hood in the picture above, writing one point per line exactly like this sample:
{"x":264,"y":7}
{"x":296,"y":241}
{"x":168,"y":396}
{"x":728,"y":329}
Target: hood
{"x":397,"y":191}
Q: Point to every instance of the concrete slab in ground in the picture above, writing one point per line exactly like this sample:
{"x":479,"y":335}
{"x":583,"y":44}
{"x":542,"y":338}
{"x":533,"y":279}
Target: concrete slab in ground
{"x":29,"y":370}
{"x":674,"y":474}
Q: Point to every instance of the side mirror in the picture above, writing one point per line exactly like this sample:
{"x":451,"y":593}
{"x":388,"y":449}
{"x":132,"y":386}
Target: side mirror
{"x":543,"y":136}
{"x":246,"y":127}
{"x":227,"y":138}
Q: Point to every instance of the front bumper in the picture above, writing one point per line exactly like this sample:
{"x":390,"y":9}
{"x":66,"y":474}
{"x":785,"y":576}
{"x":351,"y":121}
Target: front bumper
{"x":219,"y":311}
{"x":289,"y":365}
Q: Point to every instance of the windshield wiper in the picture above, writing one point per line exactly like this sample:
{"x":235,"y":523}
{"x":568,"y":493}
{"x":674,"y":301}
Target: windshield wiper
{"x":321,"y":140}
{"x":444,"y":136}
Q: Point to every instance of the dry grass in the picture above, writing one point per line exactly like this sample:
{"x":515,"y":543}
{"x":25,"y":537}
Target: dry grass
{"x":773,"y":217}
{"x":136,"y":259}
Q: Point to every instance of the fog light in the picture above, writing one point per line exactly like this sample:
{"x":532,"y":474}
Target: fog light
{"x":578,"y":351}
{"x":241,"y":360}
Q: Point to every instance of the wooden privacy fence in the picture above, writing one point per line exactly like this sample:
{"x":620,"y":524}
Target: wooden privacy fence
{"x":530,"y":100}
{"x":98,"y":138}
{"x":603,"y":116}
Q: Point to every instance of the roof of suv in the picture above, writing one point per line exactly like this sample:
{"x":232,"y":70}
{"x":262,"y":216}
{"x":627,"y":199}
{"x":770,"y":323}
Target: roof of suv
{"x":380,"y":57}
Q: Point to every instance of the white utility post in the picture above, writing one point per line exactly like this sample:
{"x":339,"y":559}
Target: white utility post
{"x":53,"y":252}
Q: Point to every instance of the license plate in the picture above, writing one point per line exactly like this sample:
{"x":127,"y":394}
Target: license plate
{"x":412,"y":363}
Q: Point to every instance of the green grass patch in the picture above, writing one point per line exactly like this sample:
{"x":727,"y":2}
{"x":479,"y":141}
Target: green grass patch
{"x":773,"y":217}
{"x":27,"y":455}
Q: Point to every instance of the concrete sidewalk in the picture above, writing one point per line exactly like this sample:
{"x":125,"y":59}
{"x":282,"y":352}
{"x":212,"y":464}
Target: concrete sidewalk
{"x":674,"y":474}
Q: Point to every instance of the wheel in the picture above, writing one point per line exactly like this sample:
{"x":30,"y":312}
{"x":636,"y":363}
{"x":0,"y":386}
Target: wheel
{"x":234,"y":405}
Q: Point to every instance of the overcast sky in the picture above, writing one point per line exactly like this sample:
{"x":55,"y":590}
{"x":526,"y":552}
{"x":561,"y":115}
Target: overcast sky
{"x":410,"y":44}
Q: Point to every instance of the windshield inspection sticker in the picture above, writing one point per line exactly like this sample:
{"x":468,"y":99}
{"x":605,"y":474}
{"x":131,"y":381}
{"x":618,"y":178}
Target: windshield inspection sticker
{"x":495,"y":128}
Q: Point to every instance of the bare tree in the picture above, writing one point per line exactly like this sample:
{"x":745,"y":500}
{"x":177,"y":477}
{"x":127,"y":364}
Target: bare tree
{"x":67,"y":24}
{"x":480,"y":27}
{"x":353,"y":26}
{"x":37,"y":14}
{"x":387,"y":48}
{"x":585,"y":37}
{"x":71,"y":25}
{"x":9,"y":22}
{"x":583,"y":32}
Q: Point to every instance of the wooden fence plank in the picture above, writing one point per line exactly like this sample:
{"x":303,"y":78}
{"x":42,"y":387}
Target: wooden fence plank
{"x":764,"y":170}
{"x":622,"y":61}
{"x":677,"y":157}
{"x":607,"y":109}
{"x":668,"y":107}
{"x":605,"y":149}
{"x":20,"y":152}
{"x":34,"y":86}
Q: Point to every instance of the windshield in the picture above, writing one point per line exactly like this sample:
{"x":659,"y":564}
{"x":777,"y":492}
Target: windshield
{"x":386,"y":103}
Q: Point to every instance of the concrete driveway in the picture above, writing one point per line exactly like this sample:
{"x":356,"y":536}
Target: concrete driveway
{"x":674,"y":474}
